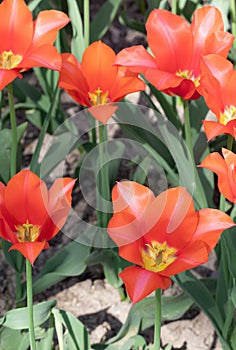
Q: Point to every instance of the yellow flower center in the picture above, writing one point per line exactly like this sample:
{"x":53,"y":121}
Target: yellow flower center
{"x":8,"y":60}
{"x":27,"y":232}
{"x":98,"y":97}
{"x":158,"y":256}
{"x":188,"y":75}
{"x":228,"y":115}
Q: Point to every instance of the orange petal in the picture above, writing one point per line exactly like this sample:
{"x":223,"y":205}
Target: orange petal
{"x":44,"y":56}
{"x":140,"y":282}
{"x":215,"y":163}
{"x":16,"y":26}
{"x":136,"y":58}
{"x":7,"y":76}
{"x":6,"y":231}
{"x":59,"y":205}
{"x":171,"y":218}
{"x":192,"y":255}
{"x":72,"y":79}
{"x":98,"y":66}
{"x":207,"y":21}
{"x":46,"y":27}
{"x":212,"y":223}
{"x":168,"y":37}
{"x":131,"y":197}
{"x":103,"y":113}
{"x":213,"y":129}
{"x":30,"y":250}
{"x":26,"y":198}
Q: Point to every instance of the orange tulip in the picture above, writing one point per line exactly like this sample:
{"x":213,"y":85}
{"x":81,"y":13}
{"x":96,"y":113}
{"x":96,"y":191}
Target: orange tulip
{"x":95,"y":82}
{"x":26,"y":43}
{"x":174,"y":67}
{"x":162,"y":236}
{"x":30,"y":215}
{"x":225,"y":168}
{"x":218,"y":88}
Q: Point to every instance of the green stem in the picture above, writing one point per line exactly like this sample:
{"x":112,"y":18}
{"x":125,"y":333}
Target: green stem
{"x":157,"y":328}
{"x":187,"y":128}
{"x":86,"y":23}
{"x":104,"y":188}
{"x":174,"y":7}
{"x":188,"y":137}
{"x":230,"y":142}
{"x":233,"y":20}
{"x":30,"y":304}
{"x":34,"y":160}
{"x":13,"y":130}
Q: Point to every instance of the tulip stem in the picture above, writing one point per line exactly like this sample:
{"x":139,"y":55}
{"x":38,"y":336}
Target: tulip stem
{"x":13,"y":129}
{"x":103,"y":184}
{"x":30,"y":305}
{"x":157,"y":327}
{"x":188,"y":137}
{"x":174,"y":7}
{"x":230,"y":142}
{"x":86,"y":23}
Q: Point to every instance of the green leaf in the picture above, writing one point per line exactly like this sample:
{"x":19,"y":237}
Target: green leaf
{"x":18,"y":318}
{"x":77,"y":42}
{"x":11,"y":339}
{"x":5,"y":150}
{"x":103,"y":19}
{"x":75,"y":336}
{"x":69,"y":261}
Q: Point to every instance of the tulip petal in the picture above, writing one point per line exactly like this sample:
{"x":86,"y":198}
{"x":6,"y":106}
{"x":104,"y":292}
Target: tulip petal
{"x":136,"y":58}
{"x":168,"y":37}
{"x":216,"y":163}
{"x":59,"y":205}
{"x":29,"y":201}
{"x":30,"y":250}
{"x":171,"y":218}
{"x":212,"y":223}
{"x":213,"y":129}
{"x":46,"y":27}
{"x":98,"y":66}
{"x":44,"y":56}
{"x":140,"y":283}
{"x":103,"y":113}
{"x":192,"y":255}
{"x":7,"y":76}
{"x":16,"y":29}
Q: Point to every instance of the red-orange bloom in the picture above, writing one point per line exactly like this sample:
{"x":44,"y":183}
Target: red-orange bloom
{"x":177,"y":48}
{"x":96,"y":81}
{"x":30,"y":215}
{"x":218,"y":88}
{"x":26,"y":43}
{"x":163,"y":236}
{"x":225,"y":168}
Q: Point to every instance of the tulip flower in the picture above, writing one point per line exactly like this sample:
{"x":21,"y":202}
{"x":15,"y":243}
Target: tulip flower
{"x":30,"y":215}
{"x":26,"y":43}
{"x":174,"y":66}
{"x":218,"y":89}
{"x":96,"y":82}
{"x":225,"y":168}
{"x":161,"y":235}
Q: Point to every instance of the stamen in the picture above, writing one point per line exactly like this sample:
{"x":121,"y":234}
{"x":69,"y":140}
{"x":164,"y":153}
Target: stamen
{"x":98,"y":97}
{"x":8,"y":60}
{"x":228,"y":115}
{"x":158,"y":256}
{"x":27,"y":232}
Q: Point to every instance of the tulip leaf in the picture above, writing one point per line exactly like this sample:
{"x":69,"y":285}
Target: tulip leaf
{"x":5,"y":150}
{"x":99,"y":25}
{"x":77,"y":42}
{"x":69,"y":261}
{"x":75,"y":336}
{"x":13,"y":339}
{"x":142,"y":316}
{"x":18,"y":318}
